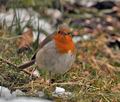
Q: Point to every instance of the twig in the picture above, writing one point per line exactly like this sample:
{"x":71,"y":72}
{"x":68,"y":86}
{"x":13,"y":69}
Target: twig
{"x":69,"y":83}
{"x":17,"y":68}
{"x":11,"y":38}
{"x":9,"y":63}
{"x":29,"y":73}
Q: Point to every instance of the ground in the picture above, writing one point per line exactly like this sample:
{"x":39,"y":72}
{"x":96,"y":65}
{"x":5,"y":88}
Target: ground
{"x":95,"y":75}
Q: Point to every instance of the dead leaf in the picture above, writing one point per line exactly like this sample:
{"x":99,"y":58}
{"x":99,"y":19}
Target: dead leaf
{"x":25,"y":40}
{"x":2,"y":32}
{"x":103,"y":66}
{"x":116,"y":88}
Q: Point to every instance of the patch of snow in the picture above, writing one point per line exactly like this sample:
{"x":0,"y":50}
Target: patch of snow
{"x":17,"y":93}
{"x":25,"y":16}
{"x":60,"y":92}
{"x":25,"y":99}
{"x":83,"y":37}
{"x":55,"y":13}
{"x":6,"y":96}
{"x":5,"y":92}
{"x":36,"y":73}
{"x":77,"y":39}
{"x":86,"y":37}
{"x":40,"y":94}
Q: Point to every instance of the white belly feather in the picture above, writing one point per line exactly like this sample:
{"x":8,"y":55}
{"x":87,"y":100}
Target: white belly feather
{"x":49,"y":58}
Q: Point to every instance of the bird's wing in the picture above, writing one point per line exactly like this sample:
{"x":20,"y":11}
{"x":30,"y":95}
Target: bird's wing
{"x":44,"y":42}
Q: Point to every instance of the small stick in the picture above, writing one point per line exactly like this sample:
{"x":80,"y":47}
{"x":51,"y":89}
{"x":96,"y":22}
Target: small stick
{"x":15,"y":66}
{"x":29,"y":73}
{"x":3,"y":38}
{"x":9,"y":63}
{"x":68,"y":83}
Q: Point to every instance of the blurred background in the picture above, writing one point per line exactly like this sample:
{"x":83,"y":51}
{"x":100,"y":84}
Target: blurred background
{"x":95,"y":27}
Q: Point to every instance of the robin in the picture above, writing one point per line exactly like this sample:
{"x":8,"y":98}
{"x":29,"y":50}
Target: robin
{"x":56,"y":53}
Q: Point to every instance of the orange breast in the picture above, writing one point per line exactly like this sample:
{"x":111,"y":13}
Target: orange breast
{"x":64,"y":43}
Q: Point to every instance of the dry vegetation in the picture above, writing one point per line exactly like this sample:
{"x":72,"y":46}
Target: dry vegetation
{"x":94,"y":77}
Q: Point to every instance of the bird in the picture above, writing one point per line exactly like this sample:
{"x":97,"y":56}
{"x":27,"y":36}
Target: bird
{"x":56,"y":53}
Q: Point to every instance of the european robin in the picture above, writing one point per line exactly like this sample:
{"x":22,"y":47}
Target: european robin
{"x":56,"y":53}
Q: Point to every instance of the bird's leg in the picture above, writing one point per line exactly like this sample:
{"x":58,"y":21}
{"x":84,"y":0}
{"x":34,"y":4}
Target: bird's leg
{"x":45,"y":76}
{"x":52,"y":80}
{"x":48,"y":77}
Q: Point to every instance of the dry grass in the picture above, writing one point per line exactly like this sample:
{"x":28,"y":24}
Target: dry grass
{"x":94,"y":77}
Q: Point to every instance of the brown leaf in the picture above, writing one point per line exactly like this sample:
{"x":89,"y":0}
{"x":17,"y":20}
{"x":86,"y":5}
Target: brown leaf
{"x":116,"y":88}
{"x":2,"y":32}
{"x":103,"y":66}
{"x":25,"y":40}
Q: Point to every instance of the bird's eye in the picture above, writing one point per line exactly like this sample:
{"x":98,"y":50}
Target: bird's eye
{"x":65,"y":33}
{"x":59,"y":31}
{"x":69,"y":33}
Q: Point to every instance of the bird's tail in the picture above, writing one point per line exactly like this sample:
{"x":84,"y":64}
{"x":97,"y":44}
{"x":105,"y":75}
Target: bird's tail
{"x":26,"y":65}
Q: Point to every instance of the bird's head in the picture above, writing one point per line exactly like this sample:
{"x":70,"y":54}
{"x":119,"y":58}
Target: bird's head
{"x":63,"y":39}
{"x":64,"y":30}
